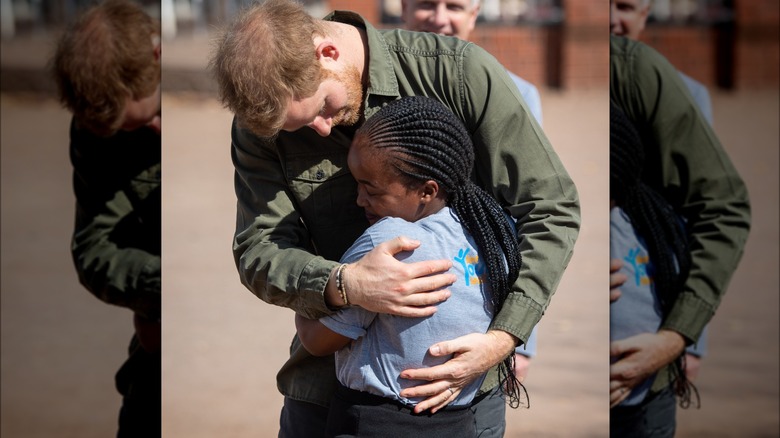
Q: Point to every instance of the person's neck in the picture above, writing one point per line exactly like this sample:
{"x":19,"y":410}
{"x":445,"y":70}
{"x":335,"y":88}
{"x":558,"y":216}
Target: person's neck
{"x":432,"y":208}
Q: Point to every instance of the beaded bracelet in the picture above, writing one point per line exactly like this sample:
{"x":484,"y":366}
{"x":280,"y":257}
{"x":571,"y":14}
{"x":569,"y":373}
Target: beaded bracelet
{"x":340,"y":286}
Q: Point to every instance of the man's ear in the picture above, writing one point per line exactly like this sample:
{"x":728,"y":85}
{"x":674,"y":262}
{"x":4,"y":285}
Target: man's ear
{"x":326,"y":49}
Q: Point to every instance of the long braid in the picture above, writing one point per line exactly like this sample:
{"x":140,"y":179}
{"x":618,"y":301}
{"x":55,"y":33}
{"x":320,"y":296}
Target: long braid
{"x":655,"y":220}
{"x":423,"y":140}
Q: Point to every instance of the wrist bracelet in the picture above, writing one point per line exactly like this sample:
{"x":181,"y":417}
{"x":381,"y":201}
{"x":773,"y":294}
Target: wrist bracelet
{"x":340,"y":286}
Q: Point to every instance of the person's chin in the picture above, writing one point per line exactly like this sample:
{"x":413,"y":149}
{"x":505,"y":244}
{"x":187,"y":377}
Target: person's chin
{"x":372,"y":219}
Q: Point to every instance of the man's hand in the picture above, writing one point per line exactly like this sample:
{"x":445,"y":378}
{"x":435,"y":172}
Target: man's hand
{"x":148,"y":332}
{"x":692,"y":366}
{"x":473,"y":355}
{"x":639,"y":357}
{"x":616,"y":279}
{"x":522,"y":363}
{"x":380,"y":283}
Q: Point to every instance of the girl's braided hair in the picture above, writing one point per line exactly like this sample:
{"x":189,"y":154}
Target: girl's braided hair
{"x":654,"y":219}
{"x":421,"y":140}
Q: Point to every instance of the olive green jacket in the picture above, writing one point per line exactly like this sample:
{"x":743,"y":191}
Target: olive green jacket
{"x":686,"y":163}
{"x":297,"y":211}
{"x":116,"y":240}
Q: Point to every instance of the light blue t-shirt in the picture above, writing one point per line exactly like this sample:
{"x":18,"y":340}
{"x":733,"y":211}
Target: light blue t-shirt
{"x":384,"y":345}
{"x":638,"y":310}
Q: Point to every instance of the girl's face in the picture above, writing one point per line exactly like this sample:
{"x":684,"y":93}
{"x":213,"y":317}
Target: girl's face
{"x":379,"y":192}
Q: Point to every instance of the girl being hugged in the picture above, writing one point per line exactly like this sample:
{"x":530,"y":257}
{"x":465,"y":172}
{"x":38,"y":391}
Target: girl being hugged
{"x":412,"y":162}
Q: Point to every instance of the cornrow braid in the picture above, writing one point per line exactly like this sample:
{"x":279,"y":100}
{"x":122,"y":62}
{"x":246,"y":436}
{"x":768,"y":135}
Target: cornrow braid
{"x":655,"y":220}
{"x":423,"y":140}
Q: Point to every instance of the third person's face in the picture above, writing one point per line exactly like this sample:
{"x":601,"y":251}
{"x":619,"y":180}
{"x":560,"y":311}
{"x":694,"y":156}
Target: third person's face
{"x":445,"y":17}
{"x":628,"y":17}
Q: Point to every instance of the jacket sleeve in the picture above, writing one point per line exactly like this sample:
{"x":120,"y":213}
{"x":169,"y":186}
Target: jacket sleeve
{"x":272,"y":247}
{"x":116,"y":240}
{"x":516,"y":163}
{"x":692,"y":171}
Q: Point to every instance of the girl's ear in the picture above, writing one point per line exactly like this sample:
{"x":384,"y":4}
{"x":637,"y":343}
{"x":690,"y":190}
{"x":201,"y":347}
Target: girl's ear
{"x":429,"y":191}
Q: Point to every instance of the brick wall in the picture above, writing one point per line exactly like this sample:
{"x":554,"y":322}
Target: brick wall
{"x":744,"y":55}
{"x":369,"y":9}
{"x":757,"y":43}
{"x":689,"y":49}
{"x":519,"y":49}
{"x":575,"y":55}
{"x":586,"y":44}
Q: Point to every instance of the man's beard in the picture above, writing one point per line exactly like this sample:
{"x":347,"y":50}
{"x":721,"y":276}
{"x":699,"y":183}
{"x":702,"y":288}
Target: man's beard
{"x":352,"y":111}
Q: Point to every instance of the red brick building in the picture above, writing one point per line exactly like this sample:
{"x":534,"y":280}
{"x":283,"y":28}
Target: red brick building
{"x":738,"y":48}
{"x":738,"y":51}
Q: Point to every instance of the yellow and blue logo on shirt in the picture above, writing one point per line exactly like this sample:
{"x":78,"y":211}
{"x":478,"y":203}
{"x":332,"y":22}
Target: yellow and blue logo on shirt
{"x":641,"y":263}
{"x":473,"y":269}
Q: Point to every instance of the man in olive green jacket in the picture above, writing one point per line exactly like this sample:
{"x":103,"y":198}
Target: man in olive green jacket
{"x":695,"y":175}
{"x":115,"y":152}
{"x":297,"y":212}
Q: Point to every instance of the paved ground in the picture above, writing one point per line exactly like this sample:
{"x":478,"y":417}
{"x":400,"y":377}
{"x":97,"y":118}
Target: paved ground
{"x":60,"y":346}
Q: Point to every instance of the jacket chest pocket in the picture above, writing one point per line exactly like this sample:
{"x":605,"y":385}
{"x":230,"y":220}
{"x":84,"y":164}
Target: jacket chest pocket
{"x":146,"y":197}
{"x":326,"y":194}
{"x":147,"y":183}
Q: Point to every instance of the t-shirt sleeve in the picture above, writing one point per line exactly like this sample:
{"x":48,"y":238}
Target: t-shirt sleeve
{"x":350,"y":322}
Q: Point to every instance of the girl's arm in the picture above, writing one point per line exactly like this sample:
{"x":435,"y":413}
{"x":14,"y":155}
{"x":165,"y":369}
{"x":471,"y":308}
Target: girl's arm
{"x":318,"y":339}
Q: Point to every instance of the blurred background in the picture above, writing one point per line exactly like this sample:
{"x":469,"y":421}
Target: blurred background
{"x":223,"y":346}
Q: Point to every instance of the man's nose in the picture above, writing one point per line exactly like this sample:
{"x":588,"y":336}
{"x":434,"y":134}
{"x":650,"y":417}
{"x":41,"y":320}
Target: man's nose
{"x":440,"y":17}
{"x":321,"y":126}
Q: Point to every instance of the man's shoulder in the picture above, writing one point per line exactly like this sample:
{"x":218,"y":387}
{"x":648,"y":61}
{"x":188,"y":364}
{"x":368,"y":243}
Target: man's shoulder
{"x":423,"y":42}
{"x":622,"y":46}
{"x":527,"y":89}
{"x":695,"y":87}
{"x":632,"y":51}
{"x":636,"y":64}
{"x":142,"y":141}
{"x":530,"y":94}
{"x":109,"y":162}
{"x":521,"y":83}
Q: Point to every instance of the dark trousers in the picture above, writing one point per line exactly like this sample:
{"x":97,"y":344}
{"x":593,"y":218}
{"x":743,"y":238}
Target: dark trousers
{"x":303,"y":420}
{"x":655,"y":417}
{"x":138,"y":380}
{"x":360,"y":414}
